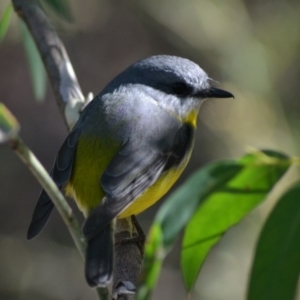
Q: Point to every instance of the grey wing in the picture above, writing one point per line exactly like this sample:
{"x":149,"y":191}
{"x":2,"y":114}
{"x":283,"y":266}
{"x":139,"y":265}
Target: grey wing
{"x":130,"y":173}
{"x":60,"y":174}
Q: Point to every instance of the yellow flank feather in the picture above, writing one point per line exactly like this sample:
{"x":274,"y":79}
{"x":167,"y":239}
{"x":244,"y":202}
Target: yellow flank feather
{"x":92,"y":158}
{"x":155,"y":192}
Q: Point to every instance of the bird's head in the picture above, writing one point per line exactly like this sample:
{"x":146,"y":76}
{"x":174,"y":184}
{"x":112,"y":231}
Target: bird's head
{"x":177,"y":84}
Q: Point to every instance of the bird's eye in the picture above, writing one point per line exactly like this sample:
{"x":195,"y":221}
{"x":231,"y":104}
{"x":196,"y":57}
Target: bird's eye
{"x":180,"y":88}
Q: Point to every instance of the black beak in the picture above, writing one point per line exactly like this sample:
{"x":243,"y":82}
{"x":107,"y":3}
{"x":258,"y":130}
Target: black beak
{"x":215,"y":93}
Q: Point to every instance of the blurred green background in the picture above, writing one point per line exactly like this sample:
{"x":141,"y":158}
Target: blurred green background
{"x":252,"y":48}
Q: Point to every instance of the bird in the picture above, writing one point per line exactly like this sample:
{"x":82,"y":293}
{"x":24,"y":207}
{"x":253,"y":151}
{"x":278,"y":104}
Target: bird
{"x":129,"y":146}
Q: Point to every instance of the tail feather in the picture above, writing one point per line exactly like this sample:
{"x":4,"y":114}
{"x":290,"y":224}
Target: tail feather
{"x":99,"y":258}
{"x":40,"y":215}
{"x":60,"y":174}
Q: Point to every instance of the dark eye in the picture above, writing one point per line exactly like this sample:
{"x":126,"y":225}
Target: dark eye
{"x":180,"y":88}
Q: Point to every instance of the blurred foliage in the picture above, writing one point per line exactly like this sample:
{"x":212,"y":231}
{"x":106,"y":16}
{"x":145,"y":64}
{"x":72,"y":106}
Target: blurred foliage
{"x":9,"y":126}
{"x":276,"y":266}
{"x":61,"y":8}
{"x":4,"y":21}
{"x":36,"y":66}
{"x":227,"y":206}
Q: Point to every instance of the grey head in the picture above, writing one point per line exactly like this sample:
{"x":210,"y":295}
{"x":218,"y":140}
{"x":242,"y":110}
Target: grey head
{"x":176,"y":84}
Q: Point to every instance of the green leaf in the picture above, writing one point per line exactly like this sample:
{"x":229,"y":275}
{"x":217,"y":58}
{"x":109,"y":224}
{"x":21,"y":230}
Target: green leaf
{"x":172,"y":217}
{"x":224,"y":208}
{"x":61,"y":8}
{"x":175,"y":213}
{"x":9,"y":126}
{"x":4,"y":22}
{"x":276,"y":266}
{"x":37,"y":70}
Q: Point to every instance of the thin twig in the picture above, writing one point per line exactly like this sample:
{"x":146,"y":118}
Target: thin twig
{"x":42,"y":176}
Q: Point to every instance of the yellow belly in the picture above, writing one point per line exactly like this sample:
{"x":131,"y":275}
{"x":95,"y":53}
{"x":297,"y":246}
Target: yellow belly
{"x":92,"y":158}
{"x":154,"y":193}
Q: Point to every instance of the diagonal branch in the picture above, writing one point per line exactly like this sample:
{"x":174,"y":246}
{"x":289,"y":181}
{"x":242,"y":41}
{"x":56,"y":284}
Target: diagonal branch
{"x":62,"y":77}
{"x":41,"y":175}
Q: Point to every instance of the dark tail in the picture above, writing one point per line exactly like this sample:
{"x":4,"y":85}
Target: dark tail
{"x":60,"y":174}
{"x":40,"y":215}
{"x":99,"y":258}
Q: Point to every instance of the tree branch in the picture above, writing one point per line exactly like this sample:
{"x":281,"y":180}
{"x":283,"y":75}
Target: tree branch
{"x":62,"y":77}
{"x":70,"y":100}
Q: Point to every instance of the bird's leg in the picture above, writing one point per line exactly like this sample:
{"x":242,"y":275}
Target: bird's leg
{"x":137,"y":235}
{"x":140,"y":236}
